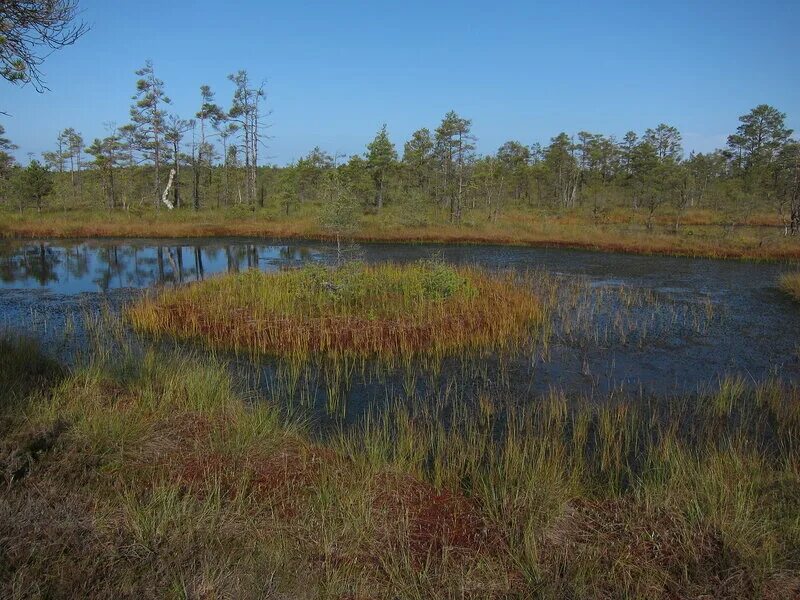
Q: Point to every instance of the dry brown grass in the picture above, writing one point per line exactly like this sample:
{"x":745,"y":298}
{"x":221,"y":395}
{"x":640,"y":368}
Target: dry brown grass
{"x":704,"y":234}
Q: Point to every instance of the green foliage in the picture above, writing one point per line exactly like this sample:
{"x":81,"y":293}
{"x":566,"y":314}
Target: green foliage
{"x":418,"y":160}
{"x":590,"y":176}
{"x":285,"y":190}
{"x":356,"y":286}
{"x":356,"y":176}
{"x":666,"y":141}
{"x":6,"y":159}
{"x":440,"y":281}
{"x":454,"y":152}
{"x":340,"y":213}
{"x":33,"y":183}
{"x":416,"y":209}
{"x":381,"y":156}
{"x":759,"y":137}
{"x":108,"y":156}
{"x":563,"y":171}
{"x":149,"y":122}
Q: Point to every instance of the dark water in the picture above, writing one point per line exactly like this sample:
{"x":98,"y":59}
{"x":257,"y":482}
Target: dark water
{"x":654,"y":324}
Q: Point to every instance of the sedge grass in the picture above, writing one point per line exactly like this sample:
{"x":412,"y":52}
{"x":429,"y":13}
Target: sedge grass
{"x":387,"y":312}
{"x":790,"y":283}
{"x":150,"y":475}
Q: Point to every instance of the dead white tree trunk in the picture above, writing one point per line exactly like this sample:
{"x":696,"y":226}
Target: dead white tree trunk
{"x":164,"y":196}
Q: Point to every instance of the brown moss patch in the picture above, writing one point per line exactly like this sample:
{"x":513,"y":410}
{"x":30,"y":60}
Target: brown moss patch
{"x":431,"y":523}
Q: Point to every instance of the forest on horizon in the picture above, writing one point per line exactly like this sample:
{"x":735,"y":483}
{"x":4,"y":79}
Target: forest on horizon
{"x":212,"y":160}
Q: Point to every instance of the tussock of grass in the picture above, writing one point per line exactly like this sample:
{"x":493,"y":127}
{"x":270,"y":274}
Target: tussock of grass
{"x":790,"y":283}
{"x":162,"y":481}
{"x":384,"y":311}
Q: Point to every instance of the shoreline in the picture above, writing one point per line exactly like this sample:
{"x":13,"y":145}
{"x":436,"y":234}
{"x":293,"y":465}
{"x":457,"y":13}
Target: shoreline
{"x":658,"y":244}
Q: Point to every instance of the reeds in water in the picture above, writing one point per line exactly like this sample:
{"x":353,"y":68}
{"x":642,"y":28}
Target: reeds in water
{"x":386,"y":312}
{"x":790,"y":283}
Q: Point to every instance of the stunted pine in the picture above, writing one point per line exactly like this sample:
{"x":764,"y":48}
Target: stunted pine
{"x":148,"y":116}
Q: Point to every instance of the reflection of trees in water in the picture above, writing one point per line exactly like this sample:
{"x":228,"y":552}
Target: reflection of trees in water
{"x":252,"y":256}
{"x":160,"y":263}
{"x":211,"y":252}
{"x":294,"y":253}
{"x":176,"y":267}
{"x":38,"y":262}
{"x":123,"y":265}
{"x":198,"y":262}
{"x":76,"y":261}
{"x":170,"y":265}
{"x":136,"y":275}
{"x":179,"y":262}
{"x":172,"y":269}
{"x":242,"y":256}
{"x":10,"y":266}
{"x":144,"y":269}
{"x":134,"y":264}
{"x":111,"y":265}
{"x":231,"y":260}
{"x":141,"y":267}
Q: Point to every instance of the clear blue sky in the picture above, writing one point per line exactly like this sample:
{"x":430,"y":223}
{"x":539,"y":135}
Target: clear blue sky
{"x":520,"y":70}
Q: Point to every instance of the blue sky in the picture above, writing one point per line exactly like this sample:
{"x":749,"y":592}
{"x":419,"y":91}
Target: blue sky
{"x":336,"y":71}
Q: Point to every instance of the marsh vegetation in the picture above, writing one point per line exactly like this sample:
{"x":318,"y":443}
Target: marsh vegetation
{"x":158,"y":474}
{"x":421,"y":418}
{"x":790,"y":283}
{"x":385,"y":311}
{"x":195,"y":448}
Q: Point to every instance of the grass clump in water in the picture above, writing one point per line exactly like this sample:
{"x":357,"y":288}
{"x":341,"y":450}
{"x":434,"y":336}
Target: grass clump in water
{"x":790,"y":283}
{"x":354,"y":311}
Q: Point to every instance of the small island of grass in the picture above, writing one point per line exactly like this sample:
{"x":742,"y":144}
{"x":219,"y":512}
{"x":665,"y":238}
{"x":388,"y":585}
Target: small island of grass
{"x":353,"y":311}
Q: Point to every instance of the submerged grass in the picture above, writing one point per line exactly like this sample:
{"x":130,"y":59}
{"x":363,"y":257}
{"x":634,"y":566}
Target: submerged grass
{"x":149,"y":475}
{"x":790,"y":283}
{"x":355,"y":311}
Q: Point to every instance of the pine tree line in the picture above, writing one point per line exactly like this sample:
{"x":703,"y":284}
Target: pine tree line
{"x":216,"y":160}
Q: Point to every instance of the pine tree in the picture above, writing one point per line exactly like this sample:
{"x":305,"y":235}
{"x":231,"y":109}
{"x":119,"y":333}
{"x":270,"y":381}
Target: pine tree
{"x":108,"y":153}
{"x":418,"y":159}
{"x":34,"y":182}
{"x":148,"y":117}
{"x":454,"y":149}
{"x":381,"y":156}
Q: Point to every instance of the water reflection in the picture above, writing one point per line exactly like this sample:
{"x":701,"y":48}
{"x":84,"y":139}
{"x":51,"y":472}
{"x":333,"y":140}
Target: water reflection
{"x":89,"y":267}
{"x":655,"y":323}
{"x":36,"y":263}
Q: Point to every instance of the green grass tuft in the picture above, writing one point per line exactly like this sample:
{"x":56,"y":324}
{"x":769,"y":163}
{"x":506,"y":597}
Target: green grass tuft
{"x":790,"y":283}
{"x":357,"y":311}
